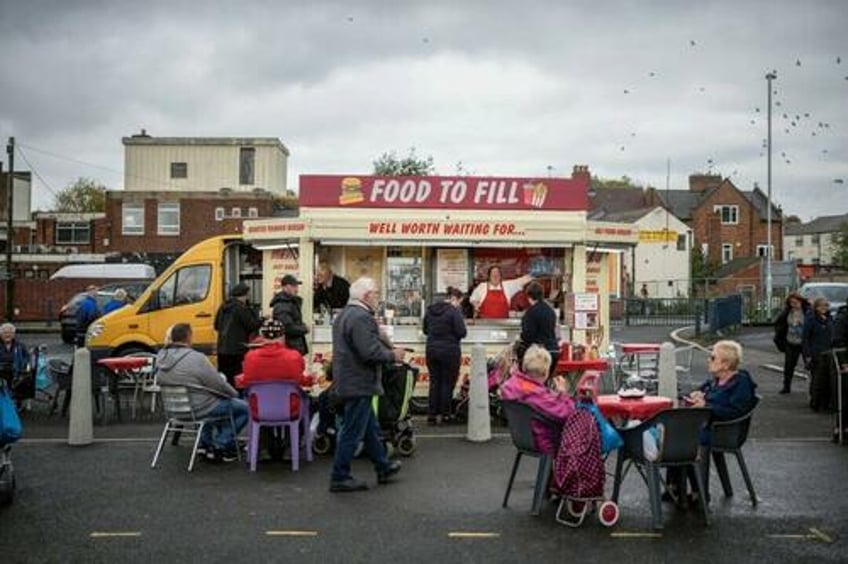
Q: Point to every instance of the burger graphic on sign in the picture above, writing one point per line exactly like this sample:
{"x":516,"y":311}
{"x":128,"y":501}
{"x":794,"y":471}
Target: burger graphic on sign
{"x":351,"y":191}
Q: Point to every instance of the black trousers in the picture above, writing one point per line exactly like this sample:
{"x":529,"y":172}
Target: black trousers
{"x":444,"y":372}
{"x":230,"y":365}
{"x":790,"y":360}
{"x":821,"y":383}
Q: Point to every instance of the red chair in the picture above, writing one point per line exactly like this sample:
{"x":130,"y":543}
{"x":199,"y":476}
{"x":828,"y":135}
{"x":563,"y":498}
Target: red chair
{"x":587,"y":386}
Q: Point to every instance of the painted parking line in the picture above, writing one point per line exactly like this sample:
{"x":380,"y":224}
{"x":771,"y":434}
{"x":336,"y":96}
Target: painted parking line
{"x":472,"y":535}
{"x":635,"y":535}
{"x":813,"y":534}
{"x":113,"y":534}
{"x":291,"y":533}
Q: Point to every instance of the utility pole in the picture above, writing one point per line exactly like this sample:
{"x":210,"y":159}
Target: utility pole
{"x":769,"y":282}
{"x":10,"y":238}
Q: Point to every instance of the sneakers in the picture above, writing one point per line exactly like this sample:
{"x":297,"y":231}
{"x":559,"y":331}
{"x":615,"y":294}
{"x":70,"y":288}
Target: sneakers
{"x":385,"y":476}
{"x":218,"y":455}
{"x":349,"y":485}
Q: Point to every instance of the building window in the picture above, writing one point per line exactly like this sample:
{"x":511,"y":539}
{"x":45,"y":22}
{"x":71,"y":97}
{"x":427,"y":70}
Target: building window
{"x":815,"y":261}
{"x":814,"y":239}
{"x":681,"y":242}
{"x":73,"y":232}
{"x":236,"y":212}
{"x":705,"y":249}
{"x":252,"y":212}
{"x":179,"y":170}
{"x":247,"y":156}
{"x":763,"y":250}
{"x":729,"y":214}
{"x":132,"y":219}
{"x":799,"y":241}
{"x":219,"y":214}
{"x":168,"y":218}
{"x":726,"y":252}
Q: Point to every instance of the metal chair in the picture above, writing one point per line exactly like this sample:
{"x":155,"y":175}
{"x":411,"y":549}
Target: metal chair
{"x":270,"y":406}
{"x":519,"y":418}
{"x":182,"y":419}
{"x":144,"y":382}
{"x":677,"y":446}
{"x":728,"y":437}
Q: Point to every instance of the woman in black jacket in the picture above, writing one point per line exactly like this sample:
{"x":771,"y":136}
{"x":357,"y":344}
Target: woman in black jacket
{"x":445,"y":328}
{"x":789,"y":335}
{"x":818,"y":335}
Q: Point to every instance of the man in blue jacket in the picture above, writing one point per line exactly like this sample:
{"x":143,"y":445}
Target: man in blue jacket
{"x":87,"y":312}
{"x":359,"y":352}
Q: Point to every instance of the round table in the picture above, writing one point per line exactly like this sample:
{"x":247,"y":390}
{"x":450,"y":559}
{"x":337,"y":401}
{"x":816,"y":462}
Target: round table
{"x":615,"y":407}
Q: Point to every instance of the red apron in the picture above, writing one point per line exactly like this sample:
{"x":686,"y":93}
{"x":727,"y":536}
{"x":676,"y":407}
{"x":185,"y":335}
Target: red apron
{"x":495,"y":306}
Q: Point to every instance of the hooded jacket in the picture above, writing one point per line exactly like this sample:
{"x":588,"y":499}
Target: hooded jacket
{"x":553,"y":405}
{"x":286,"y":310}
{"x":235,"y":323}
{"x":179,"y":365}
{"x":444,"y":327}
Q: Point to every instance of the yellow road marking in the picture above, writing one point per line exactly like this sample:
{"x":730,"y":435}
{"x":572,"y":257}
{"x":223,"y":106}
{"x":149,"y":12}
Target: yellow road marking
{"x":814,"y":534}
{"x":629,"y":535}
{"x":469,"y":535}
{"x":820,"y":535}
{"x":111,"y":534}
{"x":802,"y":537}
{"x":291,"y":533}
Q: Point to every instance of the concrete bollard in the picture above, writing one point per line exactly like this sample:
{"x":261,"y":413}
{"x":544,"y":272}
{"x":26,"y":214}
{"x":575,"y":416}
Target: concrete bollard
{"x":667,"y":372}
{"x":80,"y":428}
{"x":479,"y":423}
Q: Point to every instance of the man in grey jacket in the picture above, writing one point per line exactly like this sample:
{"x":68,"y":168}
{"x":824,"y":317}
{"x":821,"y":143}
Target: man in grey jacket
{"x":211,"y":396}
{"x":358,"y":356}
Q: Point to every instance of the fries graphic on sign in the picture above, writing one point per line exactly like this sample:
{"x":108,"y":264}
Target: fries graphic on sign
{"x":535,"y":194}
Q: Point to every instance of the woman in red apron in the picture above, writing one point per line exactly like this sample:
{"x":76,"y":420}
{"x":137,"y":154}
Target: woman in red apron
{"x":491,"y":298}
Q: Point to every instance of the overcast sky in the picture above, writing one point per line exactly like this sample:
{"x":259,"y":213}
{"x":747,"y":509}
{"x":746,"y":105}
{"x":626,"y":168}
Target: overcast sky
{"x":508,"y":88}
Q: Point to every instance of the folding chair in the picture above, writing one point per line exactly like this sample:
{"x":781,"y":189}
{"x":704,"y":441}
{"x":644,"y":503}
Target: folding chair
{"x":677,"y":446}
{"x":182,"y":419}
{"x":519,"y":417}
{"x":728,"y":437}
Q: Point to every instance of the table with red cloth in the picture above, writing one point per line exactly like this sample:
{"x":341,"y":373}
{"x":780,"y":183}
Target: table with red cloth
{"x":614,"y":407}
{"x":122,"y":367}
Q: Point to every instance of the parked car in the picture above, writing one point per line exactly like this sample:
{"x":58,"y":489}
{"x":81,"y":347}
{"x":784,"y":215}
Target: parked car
{"x":68,"y":313}
{"x":836,"y":293}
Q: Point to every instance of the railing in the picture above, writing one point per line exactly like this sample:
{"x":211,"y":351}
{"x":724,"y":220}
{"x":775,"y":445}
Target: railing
{"x":656,"y":311}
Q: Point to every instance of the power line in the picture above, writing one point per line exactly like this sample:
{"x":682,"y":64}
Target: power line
{"x":35,"y":172}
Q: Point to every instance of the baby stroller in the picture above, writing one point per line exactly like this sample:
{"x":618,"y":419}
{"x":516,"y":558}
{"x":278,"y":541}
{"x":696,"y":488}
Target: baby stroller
{"x":579,"y":471}
{"x":498,"y":369}
{"x":10,"y":431}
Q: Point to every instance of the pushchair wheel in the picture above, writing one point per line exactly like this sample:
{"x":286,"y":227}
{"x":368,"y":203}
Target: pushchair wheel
{"x":321,"y":444}
{"x":608,"y":513}
{"x":406,"y":446}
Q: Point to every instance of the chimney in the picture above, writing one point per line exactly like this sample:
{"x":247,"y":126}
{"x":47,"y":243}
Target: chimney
{"x":703,"y":182}
{"x":581,"y":172}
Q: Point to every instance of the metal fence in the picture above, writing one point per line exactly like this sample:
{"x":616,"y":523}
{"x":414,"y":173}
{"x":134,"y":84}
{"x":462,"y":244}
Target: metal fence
{"x":656,"y":311}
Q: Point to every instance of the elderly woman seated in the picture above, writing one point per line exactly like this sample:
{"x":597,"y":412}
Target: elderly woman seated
{"x":528,"y":387}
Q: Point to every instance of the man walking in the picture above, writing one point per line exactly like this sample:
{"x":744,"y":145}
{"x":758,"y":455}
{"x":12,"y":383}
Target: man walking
{"x":235,"y":323}
{"x":286,"y":309}
{"x":358,"y":356}
{"x":87,"y":312}
{"x":180,"y":365}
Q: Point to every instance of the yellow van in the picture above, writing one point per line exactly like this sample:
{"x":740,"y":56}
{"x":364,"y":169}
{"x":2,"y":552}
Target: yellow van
{"x":190,"y":291}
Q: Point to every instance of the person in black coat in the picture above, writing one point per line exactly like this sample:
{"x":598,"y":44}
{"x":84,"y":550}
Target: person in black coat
{"x":789,"y":335}
{"x":818,"y":335}
{"x":286,"y":309}
{"x":445,"y":328}
{"x":538,"y":326}
{"x":331,"y":291}
{"x":236,"y":323}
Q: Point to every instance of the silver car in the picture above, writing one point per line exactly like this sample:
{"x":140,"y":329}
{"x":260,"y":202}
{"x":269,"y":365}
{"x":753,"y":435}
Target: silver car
{"x":836,"y":293}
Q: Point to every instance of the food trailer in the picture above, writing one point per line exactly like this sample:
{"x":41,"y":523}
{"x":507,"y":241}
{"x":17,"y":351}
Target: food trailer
{"x":416,"y":236}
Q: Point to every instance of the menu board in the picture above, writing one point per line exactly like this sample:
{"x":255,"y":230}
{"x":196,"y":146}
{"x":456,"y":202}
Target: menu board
{"x":451,"y":269}
{"x":585,"y":302}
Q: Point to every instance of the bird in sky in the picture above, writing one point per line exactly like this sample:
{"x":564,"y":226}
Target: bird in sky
{"x":838,"y":60}
{"x":838,"y":180}
{"x":692,"y":42}
{"x":350,"y":18}
{"x":626,"y":91}
{"x":797,"y":62}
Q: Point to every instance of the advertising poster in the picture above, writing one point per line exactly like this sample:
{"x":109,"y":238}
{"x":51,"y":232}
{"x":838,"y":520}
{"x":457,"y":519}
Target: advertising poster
{"x":451,"y":269}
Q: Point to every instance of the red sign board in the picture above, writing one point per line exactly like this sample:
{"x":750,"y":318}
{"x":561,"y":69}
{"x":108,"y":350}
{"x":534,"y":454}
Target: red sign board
{"x":438,"y":192}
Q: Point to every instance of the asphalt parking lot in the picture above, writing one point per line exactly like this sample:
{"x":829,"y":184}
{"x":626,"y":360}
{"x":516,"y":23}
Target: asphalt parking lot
{"x":102,"y":502}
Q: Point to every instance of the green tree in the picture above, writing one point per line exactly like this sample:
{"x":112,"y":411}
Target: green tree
{"x":389,"y":164}
{"x":623,"y":182}
{"x":83,"y":196}
{"x":701,"y":269}
{"x":839,"y":245}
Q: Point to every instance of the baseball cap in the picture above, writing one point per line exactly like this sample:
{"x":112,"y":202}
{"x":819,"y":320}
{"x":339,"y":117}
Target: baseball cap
{"x":289,"y":280}
{"x":239,"y":290}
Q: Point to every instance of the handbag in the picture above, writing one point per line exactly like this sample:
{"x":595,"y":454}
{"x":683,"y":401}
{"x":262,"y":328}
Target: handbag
{"x":610,"y":438}
{"x":10,"y":423}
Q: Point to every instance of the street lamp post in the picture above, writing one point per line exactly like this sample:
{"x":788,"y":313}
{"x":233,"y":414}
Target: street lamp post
{"x":769,"y":282}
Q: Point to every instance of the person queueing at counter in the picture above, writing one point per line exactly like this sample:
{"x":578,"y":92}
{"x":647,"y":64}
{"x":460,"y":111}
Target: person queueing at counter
{"x":491,"y":298}
{"x":538,"y":325}
{"x":445,"y":328}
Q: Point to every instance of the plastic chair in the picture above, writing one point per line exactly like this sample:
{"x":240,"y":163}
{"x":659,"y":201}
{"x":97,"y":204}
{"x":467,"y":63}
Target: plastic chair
{"x":519,"y":417}
{"x":677,"y":446}
{"x":587,"y":386}
{"x":182,"y":419}
{"x":270,"y":406}
{"x":728,"y":437}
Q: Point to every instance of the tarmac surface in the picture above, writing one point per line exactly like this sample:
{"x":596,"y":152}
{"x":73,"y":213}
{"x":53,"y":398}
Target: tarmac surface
{"x":103,"y":503}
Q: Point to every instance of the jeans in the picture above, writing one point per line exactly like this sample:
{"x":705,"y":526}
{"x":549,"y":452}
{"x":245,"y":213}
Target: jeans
{"x":219,"y":434}
{"x":359,"y":423}
{"x":790,"y":360}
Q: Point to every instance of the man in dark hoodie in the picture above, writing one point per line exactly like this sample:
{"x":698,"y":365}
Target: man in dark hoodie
{"x":286,"y":309}
{"x":235,"y":323}
{"x":445,"y":328}
{"x":210,"y":395}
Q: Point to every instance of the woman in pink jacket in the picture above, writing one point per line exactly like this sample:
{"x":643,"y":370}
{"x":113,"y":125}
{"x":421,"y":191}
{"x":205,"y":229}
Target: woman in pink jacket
{"x":528,"y":387}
